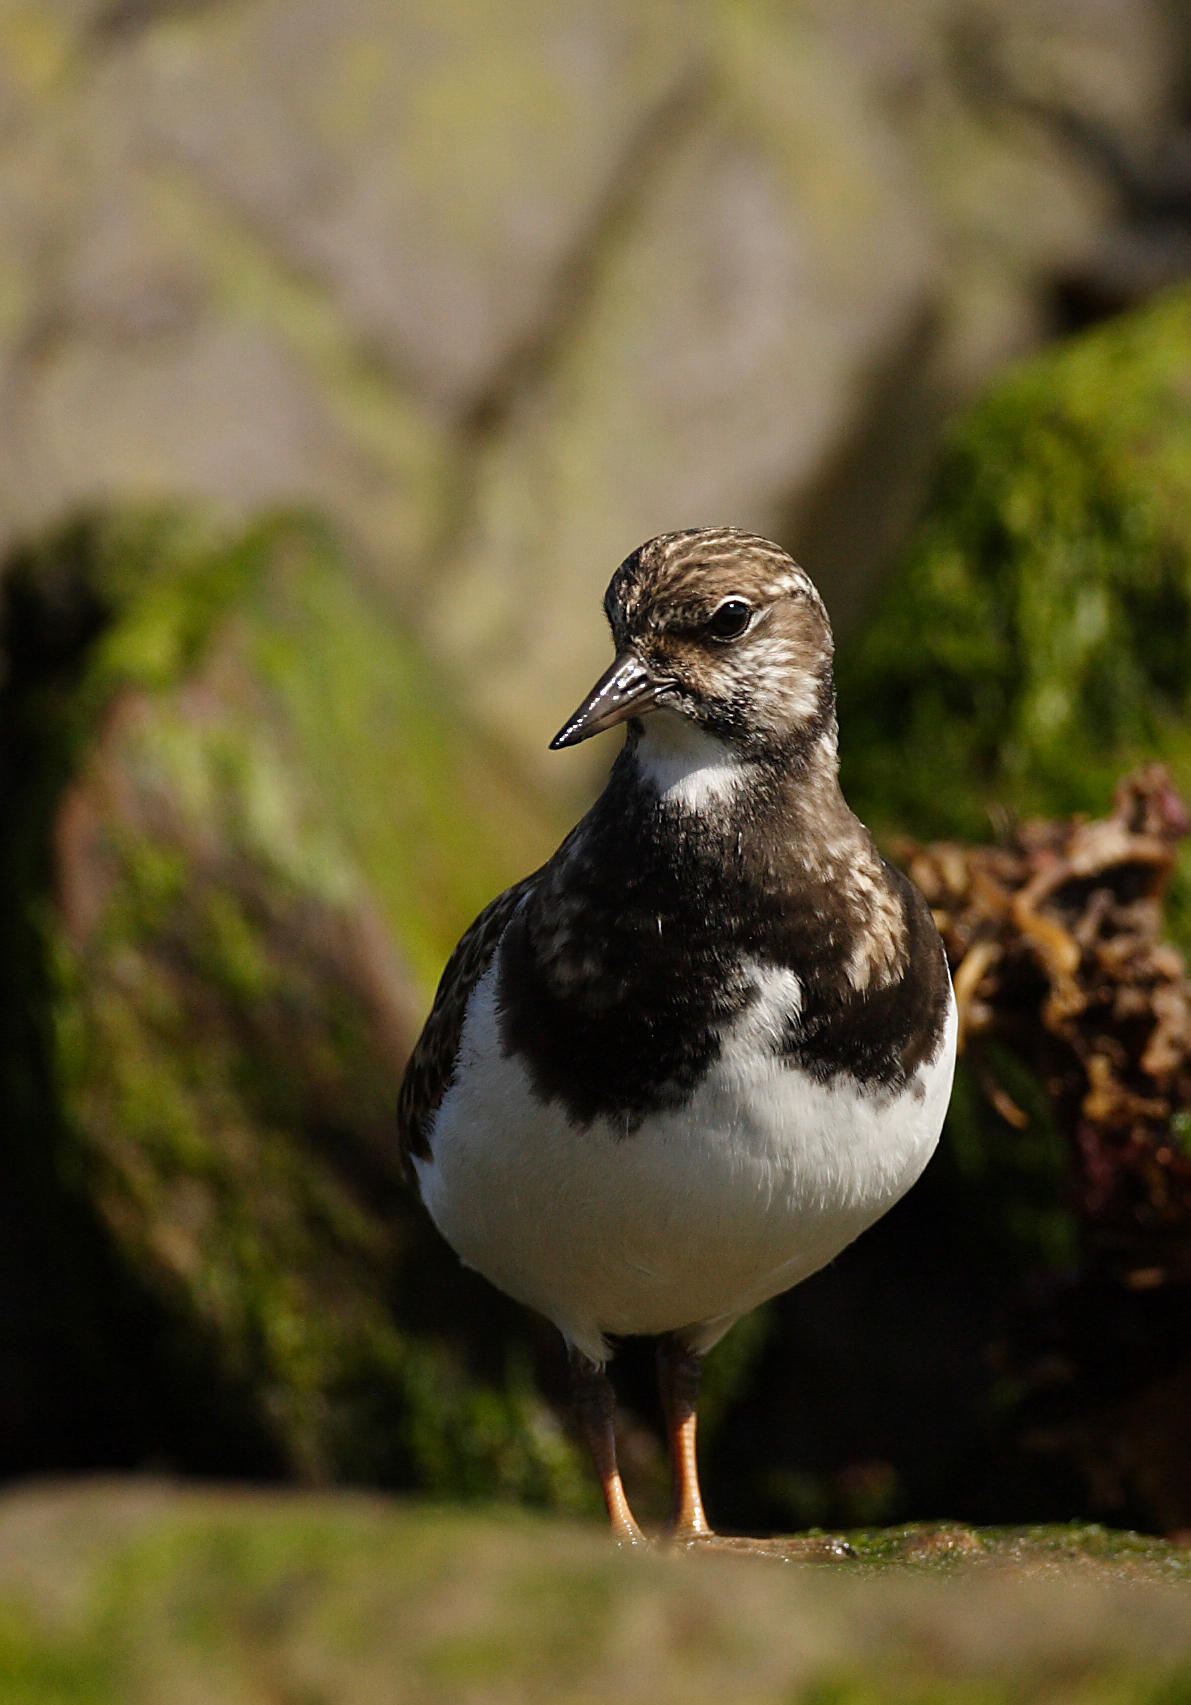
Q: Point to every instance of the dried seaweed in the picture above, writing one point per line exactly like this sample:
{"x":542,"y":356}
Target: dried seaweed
{"x":1055,"y":940}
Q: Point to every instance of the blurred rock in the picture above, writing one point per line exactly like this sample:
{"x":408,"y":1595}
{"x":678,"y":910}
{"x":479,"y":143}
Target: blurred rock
{"x":128,"y":1593}
{"x":227,"y":787}
{"x":735,"y":312}
{"x":505,"y":292}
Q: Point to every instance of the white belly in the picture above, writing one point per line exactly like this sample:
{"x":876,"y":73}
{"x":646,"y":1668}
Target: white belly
{"x":697,"y":1215}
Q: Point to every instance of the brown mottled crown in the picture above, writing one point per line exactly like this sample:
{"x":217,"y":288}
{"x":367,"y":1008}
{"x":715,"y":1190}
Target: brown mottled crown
{"x":696,"y":564}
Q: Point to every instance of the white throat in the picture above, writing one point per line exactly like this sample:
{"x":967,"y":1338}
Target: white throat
{"x":686,"y":765}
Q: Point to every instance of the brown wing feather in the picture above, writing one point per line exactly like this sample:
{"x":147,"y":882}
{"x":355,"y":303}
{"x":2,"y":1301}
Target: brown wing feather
{"x":431,"y":1068}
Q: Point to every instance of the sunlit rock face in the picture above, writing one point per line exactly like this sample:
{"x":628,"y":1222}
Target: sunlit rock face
{"x":507,"y":293}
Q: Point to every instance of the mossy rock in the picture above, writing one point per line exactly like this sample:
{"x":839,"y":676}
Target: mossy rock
{"x":134,"y":1593}
{"x":243,"y":830}
{"x":1035,"y":642}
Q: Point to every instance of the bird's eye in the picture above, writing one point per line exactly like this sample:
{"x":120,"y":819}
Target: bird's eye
{"x":730,"y":620}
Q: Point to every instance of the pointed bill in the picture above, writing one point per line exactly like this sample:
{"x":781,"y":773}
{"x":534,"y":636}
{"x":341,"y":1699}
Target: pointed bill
{"x":627,"y":689}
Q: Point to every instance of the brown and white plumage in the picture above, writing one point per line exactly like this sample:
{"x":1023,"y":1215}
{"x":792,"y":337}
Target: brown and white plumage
{"x":686,"y":1062}
{"x":431,"y":1066}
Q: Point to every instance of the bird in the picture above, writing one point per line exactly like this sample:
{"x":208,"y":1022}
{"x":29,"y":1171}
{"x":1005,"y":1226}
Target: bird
{"x":681,"y":1066}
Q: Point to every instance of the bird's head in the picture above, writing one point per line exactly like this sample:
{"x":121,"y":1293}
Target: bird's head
{"x":719,"y":632}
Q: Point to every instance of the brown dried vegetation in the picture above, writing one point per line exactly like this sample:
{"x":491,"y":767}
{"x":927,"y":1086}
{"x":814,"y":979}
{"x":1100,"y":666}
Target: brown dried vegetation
{"x":1055,"y":940}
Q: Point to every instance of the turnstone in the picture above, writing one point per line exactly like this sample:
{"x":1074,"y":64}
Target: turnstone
{"x":681,"y":1066}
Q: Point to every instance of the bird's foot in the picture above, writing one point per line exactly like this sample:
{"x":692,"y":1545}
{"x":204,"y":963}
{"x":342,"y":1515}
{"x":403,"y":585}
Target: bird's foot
{"x":627,"y":1536}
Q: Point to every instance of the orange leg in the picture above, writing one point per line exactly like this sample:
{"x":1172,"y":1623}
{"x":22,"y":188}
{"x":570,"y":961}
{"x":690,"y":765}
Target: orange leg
{"x":595,"y":1405}
{"x":679,"y":1369}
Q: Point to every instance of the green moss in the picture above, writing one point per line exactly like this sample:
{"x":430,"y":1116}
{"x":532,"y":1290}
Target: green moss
{"x":436,"y":819}
{"x":942,"y":1548}
{"x":1034,"y":643}
{"x":206,"y":1052}
{"x":37,"y":1671}
{"x":259,"y":775}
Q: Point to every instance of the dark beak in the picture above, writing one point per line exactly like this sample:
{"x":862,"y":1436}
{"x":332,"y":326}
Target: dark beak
{"x":628,"y":689}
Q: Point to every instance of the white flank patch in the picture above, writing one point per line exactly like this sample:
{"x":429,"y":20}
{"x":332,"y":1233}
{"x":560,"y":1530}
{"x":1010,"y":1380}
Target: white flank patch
{"x":698,"y":1215}
{"x":687,"y":766}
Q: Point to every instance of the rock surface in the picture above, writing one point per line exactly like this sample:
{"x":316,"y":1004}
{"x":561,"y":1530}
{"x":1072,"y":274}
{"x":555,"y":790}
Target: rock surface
{"x":503,"y":294}
{"x":231,"y":790}
{"x":141,"y":1592}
